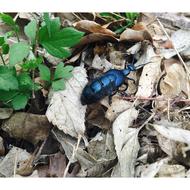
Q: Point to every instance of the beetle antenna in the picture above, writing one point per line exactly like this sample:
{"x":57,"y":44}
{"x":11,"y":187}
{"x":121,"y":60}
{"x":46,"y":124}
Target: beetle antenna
{"x":139,"y":66}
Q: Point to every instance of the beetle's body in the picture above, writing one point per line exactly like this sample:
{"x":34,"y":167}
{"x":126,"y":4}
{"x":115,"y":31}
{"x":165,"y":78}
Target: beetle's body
{"x":105,"y":85}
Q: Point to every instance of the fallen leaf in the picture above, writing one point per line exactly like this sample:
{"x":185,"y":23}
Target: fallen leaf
{"x":135,"y":35}
{"x":117,"y":59}
{"x":65,"y":110}
{"x":93,"y":27}
{"x":7,"y":166}
{"x":101,"y":63}
{"x":2,"y":148}
{"x":5,"y":113}
{"x":150,"y":74}
{"x":126,"y":142}
{"x":175,"y":170}
{"x":27,"y":126}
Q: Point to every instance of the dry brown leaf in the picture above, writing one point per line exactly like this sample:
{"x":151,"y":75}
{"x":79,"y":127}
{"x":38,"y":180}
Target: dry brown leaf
{"x":175,"y":81}
{"x":93,"y":27}
{"x":27,"y":126}
{"x":65,"y":110}
{"x":135,"y":35}
{"x":117,"y":59}
{"x":126,"y":143}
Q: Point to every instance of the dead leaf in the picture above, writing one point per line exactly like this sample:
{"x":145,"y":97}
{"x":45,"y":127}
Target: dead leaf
{"x":150,"y":73}
{"x":135,"y":35}
{"x":117,"y":59}
{"x":167,"y":170}
{"x":126,"y":142}
{"x":2,"y":148}
{"x":7,"y":166}
{"x":93,"y":27}
{"x":65,"y":109}
{"x":27,"y":126}
{"x":152,"y":169}
{"x":30,"y":16}
{"x":101,"y":63}
{"x":5,"y":113}
{"x":175,"y":81}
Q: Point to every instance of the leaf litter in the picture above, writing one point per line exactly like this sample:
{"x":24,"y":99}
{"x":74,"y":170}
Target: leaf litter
{"x":142,"y":131}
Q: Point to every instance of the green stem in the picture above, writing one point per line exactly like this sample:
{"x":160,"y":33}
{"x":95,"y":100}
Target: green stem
{"x":2,"y":59}
{"x":17,"y":36}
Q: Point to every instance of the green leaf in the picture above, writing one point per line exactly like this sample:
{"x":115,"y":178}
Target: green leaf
{"x":8,"y":70}
{"x":44,"y":72}
{"x":63,"y":72}
{"x":7,"y":19}
{"x":18,"y":52}
{"x":59,"y":42}
{"x":32,"y":64}
{"x":5,"y":48}
{"x":30,"y":30}
{"x":58,"y":85}
{"x":8,"y":82}
{"x":48,"y":23}
{"x":25,"y":81}
{"x":20,"y":101}
{"x":7,"y":95}
{"x":2,"y":40}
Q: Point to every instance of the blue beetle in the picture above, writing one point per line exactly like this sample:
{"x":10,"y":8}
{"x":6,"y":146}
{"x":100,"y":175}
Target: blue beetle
{"x":105,"y":85}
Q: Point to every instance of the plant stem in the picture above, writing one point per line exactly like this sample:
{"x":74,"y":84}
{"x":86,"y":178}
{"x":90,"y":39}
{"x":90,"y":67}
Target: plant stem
{"x":18,"y":39}
{"x":2,"y":59}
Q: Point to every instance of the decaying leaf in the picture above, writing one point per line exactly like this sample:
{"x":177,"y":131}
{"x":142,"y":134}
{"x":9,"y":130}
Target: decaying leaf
{"x":126,"y":143}
{"x":27,"y":126}
{"x":117,"y":107}
{"x":152,"y":169}
{"x":117,"y":59}
{"x":5,"y":113}
{"x":135,"y":35}
{"x":65,"y":109}
{"x":91,"y":26}
{"x":167,"y":170}
{"x":101,"y":63}
{"x":175,"y":81}
{"x":14,"y":157}
{"x":2,"y":148}
{"x":150,"y":73}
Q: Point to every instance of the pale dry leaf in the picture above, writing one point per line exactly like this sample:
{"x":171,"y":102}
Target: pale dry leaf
{"x":91,"y":26}
{"x":152,"y":169}
{"x":135,"y":48}
{"x":126,"y":142}
{"x":65,"y":109}
{"x":117,"y":107}
{"x":7,"y":165}
{"x":117,"y":59}
{"x":175,"y":81}
{"x":150,"y":73}
{"x":5,"y":113}
{"x":2,"y":148}
{"x":135,"y":35}
{"x":167,"y":170}
{"x":181,"y":41}
{"x":173,"y":133}
{"x":101,"y":63}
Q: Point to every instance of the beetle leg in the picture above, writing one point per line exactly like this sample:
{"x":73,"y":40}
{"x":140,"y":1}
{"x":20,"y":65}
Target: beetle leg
{"x":110,"y":97}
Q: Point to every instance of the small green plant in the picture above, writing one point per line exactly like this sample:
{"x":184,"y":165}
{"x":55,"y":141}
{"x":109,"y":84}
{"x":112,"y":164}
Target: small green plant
{"x":128,"y":17}
{"x":17,"y":85}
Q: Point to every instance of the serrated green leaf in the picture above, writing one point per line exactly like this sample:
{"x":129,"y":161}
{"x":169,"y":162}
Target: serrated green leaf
{"x":30,"y":30}
{"x":32,"y":64}
{"x":7,"y":19}
{"x":45,"y":73}
{"x":8,"y":82}
{"x":25,"y":81}
{"x":18,"y":52}
{"x":48,"y":23}
{"x":8,"y":70}
{"x":58,"y":85}
{"x":59,"y":42}
{"x":20,"y":101}
{"x":5,"y":48}
{"x":63,"y":72}
{"x":2,"y":40}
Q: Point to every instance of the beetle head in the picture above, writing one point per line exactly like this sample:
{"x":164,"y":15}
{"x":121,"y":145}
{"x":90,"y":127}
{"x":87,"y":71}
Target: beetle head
{"x":131,"y":67}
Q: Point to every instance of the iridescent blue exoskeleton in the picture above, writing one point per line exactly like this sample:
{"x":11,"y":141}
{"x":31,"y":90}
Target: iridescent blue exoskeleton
{"x":105,"y":85}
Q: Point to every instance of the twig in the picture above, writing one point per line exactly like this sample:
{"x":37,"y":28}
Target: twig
{"x":2,"y":59}
{"x":179,"y":56}
{"x":15,"y":163}
{"x":72,"y":157}
{"x":146,"y":122}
